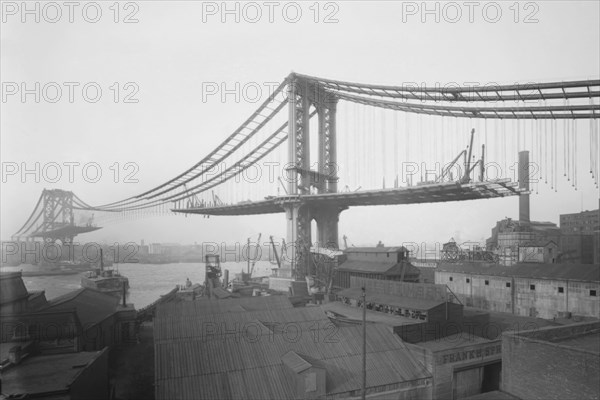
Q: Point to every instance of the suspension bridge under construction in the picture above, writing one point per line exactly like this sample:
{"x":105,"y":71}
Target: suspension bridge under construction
{"x":349,"y":144}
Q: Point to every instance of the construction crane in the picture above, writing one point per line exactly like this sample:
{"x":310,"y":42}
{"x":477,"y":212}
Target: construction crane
{"x":467,"y":154}
{"x":216,"y":200}
{"x":275,"y":252}
{"x":255,"y":254}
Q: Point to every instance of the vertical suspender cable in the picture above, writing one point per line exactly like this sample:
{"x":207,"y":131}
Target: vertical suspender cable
{"x":564,"y":148}
{"x":575,"y":159}
{"x":383,"y":149}
{"x":395,"y":147}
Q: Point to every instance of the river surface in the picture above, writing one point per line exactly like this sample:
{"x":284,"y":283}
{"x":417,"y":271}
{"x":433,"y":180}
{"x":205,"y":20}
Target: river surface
{"x":147,"y":281}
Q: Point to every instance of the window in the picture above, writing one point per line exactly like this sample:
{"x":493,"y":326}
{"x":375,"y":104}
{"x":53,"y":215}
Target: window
{"x":507,"y":284}
{"x":593,"y":293}
{"x":487,"y":282}
{"x":531,"y":287}
{"x":561,"y":289}
{"x":450,"y":279}
{"x":468,"y":280}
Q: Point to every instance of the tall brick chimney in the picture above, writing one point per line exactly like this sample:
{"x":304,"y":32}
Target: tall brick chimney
{"x":524,"y":184}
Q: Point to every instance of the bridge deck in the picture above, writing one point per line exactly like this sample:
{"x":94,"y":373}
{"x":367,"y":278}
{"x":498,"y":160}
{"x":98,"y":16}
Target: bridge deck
{"x":65,"y":231}
{"x":431,"y":193}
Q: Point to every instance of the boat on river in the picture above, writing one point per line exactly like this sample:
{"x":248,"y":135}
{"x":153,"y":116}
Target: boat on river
{"x":106,"y":280}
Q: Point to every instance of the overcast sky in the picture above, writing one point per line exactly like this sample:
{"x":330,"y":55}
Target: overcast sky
{"x":175,"y":48}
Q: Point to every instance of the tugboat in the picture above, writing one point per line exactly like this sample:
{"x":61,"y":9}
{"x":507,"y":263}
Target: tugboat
{"x":105,"y":280}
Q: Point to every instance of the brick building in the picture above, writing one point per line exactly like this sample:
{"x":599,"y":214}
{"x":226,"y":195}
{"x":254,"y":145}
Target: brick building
{"x":585,"y":222}
{"x":580,"y":237}
{"x":532,"y":289}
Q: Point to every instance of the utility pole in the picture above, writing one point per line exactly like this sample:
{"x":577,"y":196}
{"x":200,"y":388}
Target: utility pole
{"x":248,"y":256}
{"x":364,"y":324}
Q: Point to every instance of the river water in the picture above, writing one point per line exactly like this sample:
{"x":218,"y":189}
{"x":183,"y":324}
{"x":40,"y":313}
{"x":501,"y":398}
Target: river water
{"x":147,"y":281}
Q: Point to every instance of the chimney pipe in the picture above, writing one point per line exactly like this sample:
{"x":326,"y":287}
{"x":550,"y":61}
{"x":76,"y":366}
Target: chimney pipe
{"x":524,"y":184}
{"x":14,"y":355}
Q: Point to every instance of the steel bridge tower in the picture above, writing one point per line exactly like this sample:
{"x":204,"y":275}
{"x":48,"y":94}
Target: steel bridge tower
{"x":302,"y":180}
{"x":58,"y":214}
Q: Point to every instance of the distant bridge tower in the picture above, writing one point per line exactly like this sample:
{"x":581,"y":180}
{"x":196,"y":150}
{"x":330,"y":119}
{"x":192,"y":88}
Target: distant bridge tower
{"x":53,"y":218}
{"x":58,"y":214}
{"x":302,"y":180}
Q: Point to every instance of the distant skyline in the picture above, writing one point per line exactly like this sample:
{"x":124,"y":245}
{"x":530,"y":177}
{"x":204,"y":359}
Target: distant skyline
{"x":175,"y":49}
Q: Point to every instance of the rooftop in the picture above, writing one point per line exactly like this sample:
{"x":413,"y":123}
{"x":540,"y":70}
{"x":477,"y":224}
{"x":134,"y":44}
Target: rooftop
{"x":32,"y":375}
{"x":452,"y":342}
{"x":589,"y":341}
{"x":584,"y":336}
{"x":379,"y":267}
{"x":209,"y":326}
{"x":12,"y":287}
{"x":349,"y":314}
{"x":579,"y":272}
{"x":244,"y":368}
{"x":392,"y":300}
{"x":91,"y":306}
{"x":396,"y":249}
{"x":206,"y":306}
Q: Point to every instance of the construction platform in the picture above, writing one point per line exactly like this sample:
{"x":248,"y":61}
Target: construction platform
{"x":427,"y":193}
{"x":66,"y":231}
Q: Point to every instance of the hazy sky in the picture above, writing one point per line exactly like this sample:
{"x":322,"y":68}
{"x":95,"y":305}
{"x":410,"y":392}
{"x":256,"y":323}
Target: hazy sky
{"x":175,"y":48}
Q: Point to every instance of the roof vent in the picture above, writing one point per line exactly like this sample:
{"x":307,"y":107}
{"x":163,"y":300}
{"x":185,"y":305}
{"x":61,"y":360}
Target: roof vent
{"x":307,"y":376}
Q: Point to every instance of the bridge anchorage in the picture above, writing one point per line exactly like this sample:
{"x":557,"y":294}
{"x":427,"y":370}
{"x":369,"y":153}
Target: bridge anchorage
{"x":363,"y":150}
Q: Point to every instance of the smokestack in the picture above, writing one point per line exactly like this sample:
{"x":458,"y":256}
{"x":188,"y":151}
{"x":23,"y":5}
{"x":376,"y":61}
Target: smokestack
{"x":524,"y":184}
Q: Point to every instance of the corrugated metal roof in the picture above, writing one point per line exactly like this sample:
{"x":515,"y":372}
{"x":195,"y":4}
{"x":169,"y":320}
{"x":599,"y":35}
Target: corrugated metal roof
{"x":375,"y":249}
{"x":579,"y":272}
{"x":206,"y":306}
{"x":189,"y":366}
{"x":389,"y":268}
{"x":210,"y":326}
{"x":366,"y":266}
{"x":392,"y":300}
{"x":91,"y":306}
{"x":43,"y":374}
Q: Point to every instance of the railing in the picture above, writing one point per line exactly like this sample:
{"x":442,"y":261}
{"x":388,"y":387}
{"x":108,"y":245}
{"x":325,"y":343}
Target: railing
{"x":454,"y":295}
